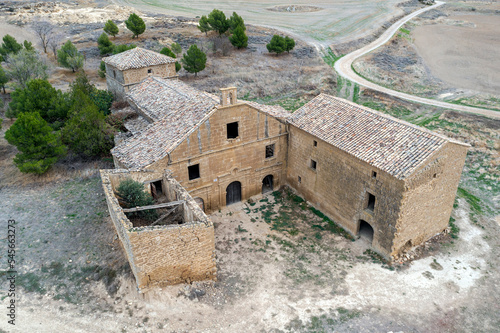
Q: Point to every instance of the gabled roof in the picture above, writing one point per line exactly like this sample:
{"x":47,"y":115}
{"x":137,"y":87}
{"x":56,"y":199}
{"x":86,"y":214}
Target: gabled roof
{"x":387,"y":143}
{"x":177,"y":110}
{"x":137,"y":58}
{"x":273,"y":110}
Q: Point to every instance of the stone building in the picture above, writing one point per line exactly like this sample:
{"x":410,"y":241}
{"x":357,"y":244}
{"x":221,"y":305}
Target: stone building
{"x":367,"y":171}
{"x":125,"y":70}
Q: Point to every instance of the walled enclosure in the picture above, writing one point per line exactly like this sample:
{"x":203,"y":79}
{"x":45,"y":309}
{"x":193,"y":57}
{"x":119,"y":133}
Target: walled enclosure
{"x":223,"y":161}
{"x":120,"y":82}
{"x":169,"y":254}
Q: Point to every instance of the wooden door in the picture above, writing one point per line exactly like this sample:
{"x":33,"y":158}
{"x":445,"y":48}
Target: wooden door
{"x":233,"y":193}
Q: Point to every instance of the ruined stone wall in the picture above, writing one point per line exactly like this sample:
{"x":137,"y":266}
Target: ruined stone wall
{"x":340,"y":185}
{"x":162,"y":255}
{"x":223,"y":161}
{"x":428,"y":201}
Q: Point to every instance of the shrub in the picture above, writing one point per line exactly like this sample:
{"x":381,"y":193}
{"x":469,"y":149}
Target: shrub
{"x":39,"y":148}
{"x":122,"y":48}
{"x":176,"y":48}
{"x":277,"y":44}
{"x":132,"y":194}
{"x":102,"y":70}
{"x":135,"y":24}
{"x":4,"y":78}
{"x":9,"y":46}
{"x":166,"y":51}
{"x":236,"y":21}
{"x":25,"y":66}
{"x":69,"y":57}
{"x":104,"y":44}
{"x":289,"y":44}
{"x":239,"y":39}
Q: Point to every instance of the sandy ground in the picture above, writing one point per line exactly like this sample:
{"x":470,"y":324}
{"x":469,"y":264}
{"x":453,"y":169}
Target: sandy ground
{"x":463,"y":56}
{"x":19,"y":33}
{"x":338,"y":21}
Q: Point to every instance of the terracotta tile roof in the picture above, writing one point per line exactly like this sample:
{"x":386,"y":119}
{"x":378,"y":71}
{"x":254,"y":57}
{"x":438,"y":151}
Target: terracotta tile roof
{"x":177,"y":109}
{"x":137,"y":58}
{"x":273,"y":110}
{"x":387,"y":143}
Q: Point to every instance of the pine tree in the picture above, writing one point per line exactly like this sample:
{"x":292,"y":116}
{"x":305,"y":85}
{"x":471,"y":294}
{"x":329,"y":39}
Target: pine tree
{"x":194,"y":60}
{"x":218,"y":22}
{"x":166,"y":51}
{"x":277,"y":44}
{"x":122,"y":48}
{"x":289,"y":44}
{"x":203,"y":25}
{"x":135,"y":24}
{"x":176,"y":48}
{"x":102,"y":70}
{"x":9,"y":46}
{"x":69,"y":57}
{"x":39,"y":148}
{"x":239,"y":39}
{"x":111,"y":28}
{"x":4,"y":78}
{"x":104,"y":44}
{"x":235,"y":21}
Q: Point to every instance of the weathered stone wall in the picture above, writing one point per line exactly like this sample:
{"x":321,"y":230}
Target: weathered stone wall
{"x":223,"y":161}
{"x":340,"y":185}
{"x":162,"y":255}
{"x":428,"y":201}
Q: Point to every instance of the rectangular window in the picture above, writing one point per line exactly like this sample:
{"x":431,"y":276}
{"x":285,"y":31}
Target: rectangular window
{"x":371,"y":202}
{"x":270,"y":151}
{"x":374,"y":174}
{"x":194,"y":171}
{"x":313,"y":164}
{"x":232,"y":130}
{"x":315,"y":143}
{"x":150,"y":71}
{"x":299,"y":179}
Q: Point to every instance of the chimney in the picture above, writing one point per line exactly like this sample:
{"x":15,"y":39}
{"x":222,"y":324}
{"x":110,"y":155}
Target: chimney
{"x":228,"y":96}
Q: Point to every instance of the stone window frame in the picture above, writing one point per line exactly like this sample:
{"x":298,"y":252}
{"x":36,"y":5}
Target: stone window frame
{"x":273,"y":146}
{"x":192,"y":171}
{"x":369,"y":203}
{"x":313,"y":165}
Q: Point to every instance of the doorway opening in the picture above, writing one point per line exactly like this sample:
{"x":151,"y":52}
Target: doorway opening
{"x":267,"y":184}
{"x":365,"y":231}
{"x":233,"y":193}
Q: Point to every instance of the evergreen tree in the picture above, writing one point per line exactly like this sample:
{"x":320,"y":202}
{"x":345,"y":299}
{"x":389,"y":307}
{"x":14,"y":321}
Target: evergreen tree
{"x":239,"y":39}
{"x":277,"y":44}
{"x":122,"y":48}
{"x":176,"y":48}
{"x":104,"y":44}
{"x":235,"y":21}
{"x":166,"y":51}
{"x":194,"y":60}
{"x":25,"y":66}
{"x":132,"y":194}
{"x":28,"y":46}
{"x":39,"y":148}
{"x":86,"y":131}
{"x":9,"y":46}
{"x":218,"y":22}
{"x":111,"y":28}
{"x":203,"y":25}
{"x":39,"y":96}
{"x":102,"y":70}
{"x":289,"y":44}
{"x":135,"y":24}
{"x":69,"y":57}
{"x":4,"y":78}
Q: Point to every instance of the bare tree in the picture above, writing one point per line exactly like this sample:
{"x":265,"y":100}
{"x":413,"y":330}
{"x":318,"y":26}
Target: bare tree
{"x":45,"y":31}
{"x":54,"y":43}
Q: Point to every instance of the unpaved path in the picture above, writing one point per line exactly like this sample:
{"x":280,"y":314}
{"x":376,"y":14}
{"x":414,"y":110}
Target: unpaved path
{"x":344,"y":67}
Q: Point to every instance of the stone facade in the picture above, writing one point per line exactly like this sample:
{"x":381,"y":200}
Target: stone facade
{"x":167,"y":254}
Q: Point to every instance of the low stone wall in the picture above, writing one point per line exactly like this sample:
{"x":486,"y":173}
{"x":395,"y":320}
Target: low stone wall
{"x":163,"y":255}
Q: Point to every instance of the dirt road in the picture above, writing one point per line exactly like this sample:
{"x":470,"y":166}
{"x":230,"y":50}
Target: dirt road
{"x":344,"y":67}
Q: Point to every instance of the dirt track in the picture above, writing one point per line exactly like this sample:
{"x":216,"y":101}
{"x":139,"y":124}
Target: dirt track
{"x":344,"y":67}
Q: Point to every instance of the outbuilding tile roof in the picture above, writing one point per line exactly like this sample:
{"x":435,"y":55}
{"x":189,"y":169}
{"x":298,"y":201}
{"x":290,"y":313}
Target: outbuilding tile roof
{"x":177,"y":110}
{"x":137,"y":58}
{"x":387,"y":143}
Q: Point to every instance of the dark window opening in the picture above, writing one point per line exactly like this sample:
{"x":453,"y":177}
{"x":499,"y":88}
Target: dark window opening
{"x":374,"y":174}
{"x":114,"y":73}
{"x":313,"y":164}
{"x":270,"y":151}
{"x":232,"y":130}
{"x":371,"y":202}
{"x":156,"y":189}
{"x":194,"y":171}
{"x":315,"y":143}
{"x":299,"y":179}
{"x":150,"y":71}
{"x":435,"y":175}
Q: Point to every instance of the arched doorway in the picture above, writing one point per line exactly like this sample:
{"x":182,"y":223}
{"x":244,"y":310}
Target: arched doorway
{"x":267,"y":184}
{"x":200,"y":203}
{"x":365,"y":231}
{"x":233,"y":193}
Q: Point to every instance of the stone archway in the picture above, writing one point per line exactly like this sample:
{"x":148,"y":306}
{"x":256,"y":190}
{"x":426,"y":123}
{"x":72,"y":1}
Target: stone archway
{"x":366,"y":231}
{"x":200,"y":203}
{"x":267,"y":184}
{"x":233,"y":193}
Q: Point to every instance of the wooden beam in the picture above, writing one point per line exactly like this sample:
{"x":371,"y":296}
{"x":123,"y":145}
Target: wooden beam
{"x":164,"y":216}
{"x":163,"y":205}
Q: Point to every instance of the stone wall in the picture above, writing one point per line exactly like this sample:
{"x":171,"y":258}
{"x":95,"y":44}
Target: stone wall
{"x":429,"y":197}
{"x":163,"y":255}
{"x":340,"y":185}
{"x":223,"y":161}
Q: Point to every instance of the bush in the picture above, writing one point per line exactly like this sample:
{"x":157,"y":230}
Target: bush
{"x":289,"y":44}
{"x":9,"y":46}
{"x":132,"y":194}
{"x":104,"y":44}
{"x":39,"y":148}
{"x":102,"y":70}
{"x":25,"y":66}
{"x":4,"y":78}
{"x":166,"y":51}
{"x":176,"y":48}
{"x":135,"y":24}
{"x":277,"y":44}
{"x":236,"y":21}
{"x":111,"y":28}
{"x":122,"y":48}
{"x":69,"y":57}
{"x":239,"y":39}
